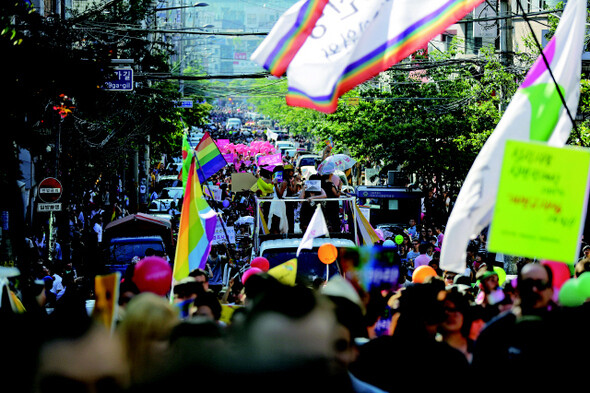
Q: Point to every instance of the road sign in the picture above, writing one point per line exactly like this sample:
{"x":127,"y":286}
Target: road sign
{"x":122,"y":81}
{"x":50,"y":190}
{"x":183,"y":104}
{"x":48,"y":207}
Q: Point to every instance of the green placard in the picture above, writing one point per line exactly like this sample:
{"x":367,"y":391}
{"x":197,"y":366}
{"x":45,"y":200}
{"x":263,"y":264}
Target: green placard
{"x":541,"y":202}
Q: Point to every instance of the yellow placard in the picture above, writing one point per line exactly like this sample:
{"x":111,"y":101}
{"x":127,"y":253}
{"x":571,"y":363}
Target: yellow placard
{"x":106,"y":294}
{"x":541,"y":201}
{"x":285,"y":273}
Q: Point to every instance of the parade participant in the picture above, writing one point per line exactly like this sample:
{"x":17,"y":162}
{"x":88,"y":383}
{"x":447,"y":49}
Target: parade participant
{"x":215,"y":264}
{"x":418,"y":313}
{"x":290,"y":190}
{"x":412,"y":231}
{"x":455,"y":329}
{"x":332,"y":208}
{"x":145,"y":329}
{"x":490,"y":293}
{"x":414,"y":252}
{"x":308,"y":206}
{"x":277,"y":215}
{"x":525,"y":339}
{"x":423,"y":259}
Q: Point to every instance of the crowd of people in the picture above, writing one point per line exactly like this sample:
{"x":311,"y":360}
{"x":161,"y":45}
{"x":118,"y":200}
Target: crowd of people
{"x":479,"y":328}
{"x":267,"y":335}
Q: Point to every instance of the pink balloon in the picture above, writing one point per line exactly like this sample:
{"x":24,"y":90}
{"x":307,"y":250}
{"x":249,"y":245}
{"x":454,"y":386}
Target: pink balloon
{"x":153,"y":274}
{"x":250,"y":272}
{"x":561,"y":272}
{"x":261,"y":263}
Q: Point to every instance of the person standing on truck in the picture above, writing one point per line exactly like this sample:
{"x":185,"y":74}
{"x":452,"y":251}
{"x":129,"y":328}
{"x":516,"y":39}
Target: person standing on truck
{"x":290,"y":190}
{"x":215,"y":264}
{"x":332,"y":208}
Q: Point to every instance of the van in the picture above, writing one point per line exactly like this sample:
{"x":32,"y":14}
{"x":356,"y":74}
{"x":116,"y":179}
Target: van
{"x":122,"y":250}
{"x":132,"y":236}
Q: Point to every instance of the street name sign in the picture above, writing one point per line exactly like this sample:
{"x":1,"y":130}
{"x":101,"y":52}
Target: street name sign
{"x":122,"y":80}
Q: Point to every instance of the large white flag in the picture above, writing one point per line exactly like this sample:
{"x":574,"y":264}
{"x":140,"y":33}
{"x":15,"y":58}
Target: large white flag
{"x":329,"y":47}
{"x":536,"y":113}
{"x":317,"y":227}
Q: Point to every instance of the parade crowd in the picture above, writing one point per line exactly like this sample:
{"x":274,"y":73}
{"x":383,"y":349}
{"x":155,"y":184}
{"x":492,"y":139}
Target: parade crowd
{"x":479,"y":329}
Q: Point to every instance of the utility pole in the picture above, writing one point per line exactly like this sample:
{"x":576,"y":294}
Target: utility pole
{"x":506,"y":28}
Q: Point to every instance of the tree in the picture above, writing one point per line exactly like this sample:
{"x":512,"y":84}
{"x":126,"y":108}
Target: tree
{"x":53,"y":61}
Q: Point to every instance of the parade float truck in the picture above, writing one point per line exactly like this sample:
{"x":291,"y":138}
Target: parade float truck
{"x":280,"y":248}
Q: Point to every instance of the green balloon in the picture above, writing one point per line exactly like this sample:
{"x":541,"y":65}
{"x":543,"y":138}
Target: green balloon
{"x":584,"y":285}
{"x":569,"y":294}
{"x":399,"y":239}
{"x":501,"y":275}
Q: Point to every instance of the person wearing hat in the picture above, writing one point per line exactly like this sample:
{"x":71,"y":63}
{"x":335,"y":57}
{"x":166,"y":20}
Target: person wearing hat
{"x":490,"y":293}
{"x":585,"y":252}
{"x":289,"y":189}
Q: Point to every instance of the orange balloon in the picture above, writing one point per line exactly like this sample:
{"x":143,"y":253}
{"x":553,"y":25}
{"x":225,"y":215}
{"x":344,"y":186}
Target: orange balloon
{"x":327,"y":253}
{"x":422,"y":273}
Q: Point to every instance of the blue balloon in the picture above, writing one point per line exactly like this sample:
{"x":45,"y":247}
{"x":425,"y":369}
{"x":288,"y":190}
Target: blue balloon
{"x":389,"y":243}
{"x":225,"y":203}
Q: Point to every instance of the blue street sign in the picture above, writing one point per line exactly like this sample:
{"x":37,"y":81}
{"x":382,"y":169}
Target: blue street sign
{"x":123,"y":80}
{"x":183,"y":104}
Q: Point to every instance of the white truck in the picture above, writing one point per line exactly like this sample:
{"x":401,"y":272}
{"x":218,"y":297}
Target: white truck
{"x":233,"y":123}
{"x":278,"y":249}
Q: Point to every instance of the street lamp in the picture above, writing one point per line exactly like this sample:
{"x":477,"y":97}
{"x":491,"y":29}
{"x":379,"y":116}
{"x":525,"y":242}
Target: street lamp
{"x":182,"y":6}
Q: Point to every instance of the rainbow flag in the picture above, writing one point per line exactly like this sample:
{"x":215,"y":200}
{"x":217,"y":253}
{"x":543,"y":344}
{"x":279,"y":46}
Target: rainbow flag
{"x":302,"y":19}
{"x":196,"y":229}
{"x":209,"y":158}
{"x":349,"y":43}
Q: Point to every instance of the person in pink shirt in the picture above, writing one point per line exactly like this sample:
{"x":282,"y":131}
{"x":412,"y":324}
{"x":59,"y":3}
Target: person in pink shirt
{"x":423,"y":258}
{"x":439,"y":235}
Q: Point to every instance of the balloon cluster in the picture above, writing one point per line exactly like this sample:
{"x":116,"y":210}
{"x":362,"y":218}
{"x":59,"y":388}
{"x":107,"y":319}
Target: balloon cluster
{"x":255,"y":147}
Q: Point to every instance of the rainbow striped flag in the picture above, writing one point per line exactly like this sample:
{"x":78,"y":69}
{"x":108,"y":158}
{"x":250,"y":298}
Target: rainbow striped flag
{"x":196,"y":230}
{"x":209,"y":158}
{"x":348,"y":43}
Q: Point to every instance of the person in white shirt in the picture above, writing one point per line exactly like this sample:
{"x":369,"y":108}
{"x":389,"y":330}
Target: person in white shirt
{"x":97,"y":228}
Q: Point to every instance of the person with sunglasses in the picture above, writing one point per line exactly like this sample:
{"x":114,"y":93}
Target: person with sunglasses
{"x":526,"y":337}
